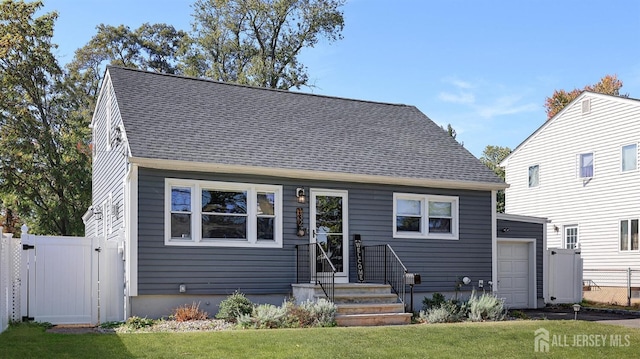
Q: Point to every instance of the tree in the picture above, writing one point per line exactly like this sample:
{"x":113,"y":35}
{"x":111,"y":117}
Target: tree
{"x":45,"y":176}
{"x":491,"y":157}
{"x":609,"y":85}
{"x":257,"y":42}
{"x":151,"y":47}
{"x":450,"y":131}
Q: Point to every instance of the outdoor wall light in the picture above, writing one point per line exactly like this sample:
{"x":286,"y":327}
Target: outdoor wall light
{"x":97,"y":213}
{"x":506,"y":229}
{"x":300,"y":195}
{"x":555,"y":228}
{"x":466,"y":280}
{"x":182,"y":288}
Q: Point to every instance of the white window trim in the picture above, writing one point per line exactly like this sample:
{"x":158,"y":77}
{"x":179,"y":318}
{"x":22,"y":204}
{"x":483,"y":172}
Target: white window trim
{"x":629,"y":240}
{"x":424,"y":221}
{"x":529,"y":173}
{"x":579,"y":165}
{"x":564,"y":239}
{"x":196,"y":214}
{"x":622,"y":170}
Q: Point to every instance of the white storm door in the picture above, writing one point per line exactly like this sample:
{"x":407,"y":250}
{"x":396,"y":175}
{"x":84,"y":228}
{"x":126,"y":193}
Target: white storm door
{"x":329,"y":227}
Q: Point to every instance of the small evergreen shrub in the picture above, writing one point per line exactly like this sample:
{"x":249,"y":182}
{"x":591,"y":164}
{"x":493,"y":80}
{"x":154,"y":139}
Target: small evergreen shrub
{"x":187,"y":313}
{"x":437,"y":299}
{"x":486,"y":307}
{"x":234,"y":306}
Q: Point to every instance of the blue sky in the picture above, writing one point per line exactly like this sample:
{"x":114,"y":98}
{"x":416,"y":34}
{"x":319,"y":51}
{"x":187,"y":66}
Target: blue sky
{"x":483,"y":66}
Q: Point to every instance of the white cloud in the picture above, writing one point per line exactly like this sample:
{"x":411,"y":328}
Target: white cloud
{"x":506,"y":105}
{"x":461,"y":97}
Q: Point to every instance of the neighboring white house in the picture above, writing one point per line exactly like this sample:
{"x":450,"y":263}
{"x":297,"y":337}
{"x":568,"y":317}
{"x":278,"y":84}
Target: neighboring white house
{"x":580,"y":170}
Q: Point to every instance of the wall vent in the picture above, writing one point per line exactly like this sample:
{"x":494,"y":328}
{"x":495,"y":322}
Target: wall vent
{"x":586,"y":106}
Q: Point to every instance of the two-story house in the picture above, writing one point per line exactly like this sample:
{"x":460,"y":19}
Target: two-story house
{"x":580,"y":170}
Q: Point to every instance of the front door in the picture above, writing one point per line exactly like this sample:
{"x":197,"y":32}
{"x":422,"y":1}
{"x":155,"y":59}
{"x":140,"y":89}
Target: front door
{"x":329,"y":228}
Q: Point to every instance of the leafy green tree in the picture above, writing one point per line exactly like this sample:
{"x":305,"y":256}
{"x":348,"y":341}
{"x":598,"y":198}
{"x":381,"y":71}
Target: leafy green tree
{"x":609,"y":85}
{"x":491,"y":157}
{"x":151,"y":47}
{"x":257,"y":42}
{"x":45,"y":176}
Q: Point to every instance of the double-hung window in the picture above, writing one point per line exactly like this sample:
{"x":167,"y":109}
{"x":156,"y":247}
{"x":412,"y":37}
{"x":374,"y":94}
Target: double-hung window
{"x":205,"y":213}
{"x":629,"y":157}
{"x":534,"y":176}
{"x":585,"y":166}
{"x":425,"y":216}
{"x":629,"y":235}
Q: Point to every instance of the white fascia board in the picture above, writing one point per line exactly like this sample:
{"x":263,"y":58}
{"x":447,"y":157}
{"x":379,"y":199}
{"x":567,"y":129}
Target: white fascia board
{"x":313,"y":175}
{"x":106,"y":79}
{"x":519,"y":218}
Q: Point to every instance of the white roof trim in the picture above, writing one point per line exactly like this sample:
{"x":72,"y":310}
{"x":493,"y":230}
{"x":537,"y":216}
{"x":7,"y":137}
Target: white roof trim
{"x":519,"y":218}
{"x":312,"y":175}
{"x":570,"y":104}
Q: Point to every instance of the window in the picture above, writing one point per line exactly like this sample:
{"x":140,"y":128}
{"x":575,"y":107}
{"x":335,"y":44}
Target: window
{"x":204,"y":213}
{"x":570,"y":237}
{"x":534,"y":176}
{"x":425,"y":216}
{"x":586,"y":165}
{"x":629,"y":157}
{"x":629,"y":235}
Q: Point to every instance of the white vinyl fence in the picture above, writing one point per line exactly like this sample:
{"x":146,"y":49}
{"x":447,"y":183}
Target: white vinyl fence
{"x":60,"y":280}
{"x":9,"y":279}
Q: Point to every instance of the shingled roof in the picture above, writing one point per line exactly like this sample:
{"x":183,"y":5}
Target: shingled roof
{"x":187,"y":120}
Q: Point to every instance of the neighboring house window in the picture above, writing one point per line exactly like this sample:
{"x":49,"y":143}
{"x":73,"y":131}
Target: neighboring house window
{"x":571,"y":237}
{"x":534,"y":176}
{"x":629,"y":157}
{"x":586,"y":165}
{"x":204,"y":213}
{"x":629,"y":235}
{"x":425,"y":216}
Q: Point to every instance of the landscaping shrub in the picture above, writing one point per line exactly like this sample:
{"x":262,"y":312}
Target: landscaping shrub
{"x":485,"y":307}
{"x":446,"y":312}
{"x":234,"y":306}
{"x":290,"y":315}
{"x":187,"y":313}
{"x":437,"y":299}
{"x":139,"y":323}
{"x":322,"y":311}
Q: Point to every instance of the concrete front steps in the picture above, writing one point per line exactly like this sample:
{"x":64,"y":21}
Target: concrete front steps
{"x":360,"y":304}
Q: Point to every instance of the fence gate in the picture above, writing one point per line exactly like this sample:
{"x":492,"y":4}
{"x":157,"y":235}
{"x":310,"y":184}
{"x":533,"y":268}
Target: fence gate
{"x":57,"y":279}
{"x":564,"y":276}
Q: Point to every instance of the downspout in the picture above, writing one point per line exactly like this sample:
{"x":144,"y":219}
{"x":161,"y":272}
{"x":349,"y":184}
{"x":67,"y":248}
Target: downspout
{"x":494,"y":242}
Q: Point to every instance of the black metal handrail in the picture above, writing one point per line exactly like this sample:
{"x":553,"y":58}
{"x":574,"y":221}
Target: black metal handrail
{"x":314,"y":266}
{"x":382,"y":265}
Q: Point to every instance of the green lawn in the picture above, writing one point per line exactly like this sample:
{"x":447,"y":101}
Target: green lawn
{"x":513,"y":339}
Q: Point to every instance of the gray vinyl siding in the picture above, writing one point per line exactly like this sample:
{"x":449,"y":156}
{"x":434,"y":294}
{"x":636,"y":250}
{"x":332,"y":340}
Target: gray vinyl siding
{"x":518,"y":229}
{"x":221,"y":270}
{"x":108,"y":169}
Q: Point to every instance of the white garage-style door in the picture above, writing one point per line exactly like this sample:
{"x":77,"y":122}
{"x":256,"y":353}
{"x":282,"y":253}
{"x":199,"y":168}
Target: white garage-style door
{"x":515,"y":275}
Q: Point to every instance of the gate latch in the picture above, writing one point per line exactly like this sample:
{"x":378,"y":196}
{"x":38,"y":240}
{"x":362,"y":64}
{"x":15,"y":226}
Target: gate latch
{"x":28,"y":246}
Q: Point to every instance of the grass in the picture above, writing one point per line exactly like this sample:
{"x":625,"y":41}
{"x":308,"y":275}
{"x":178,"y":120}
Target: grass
{"x":512,"y":339}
